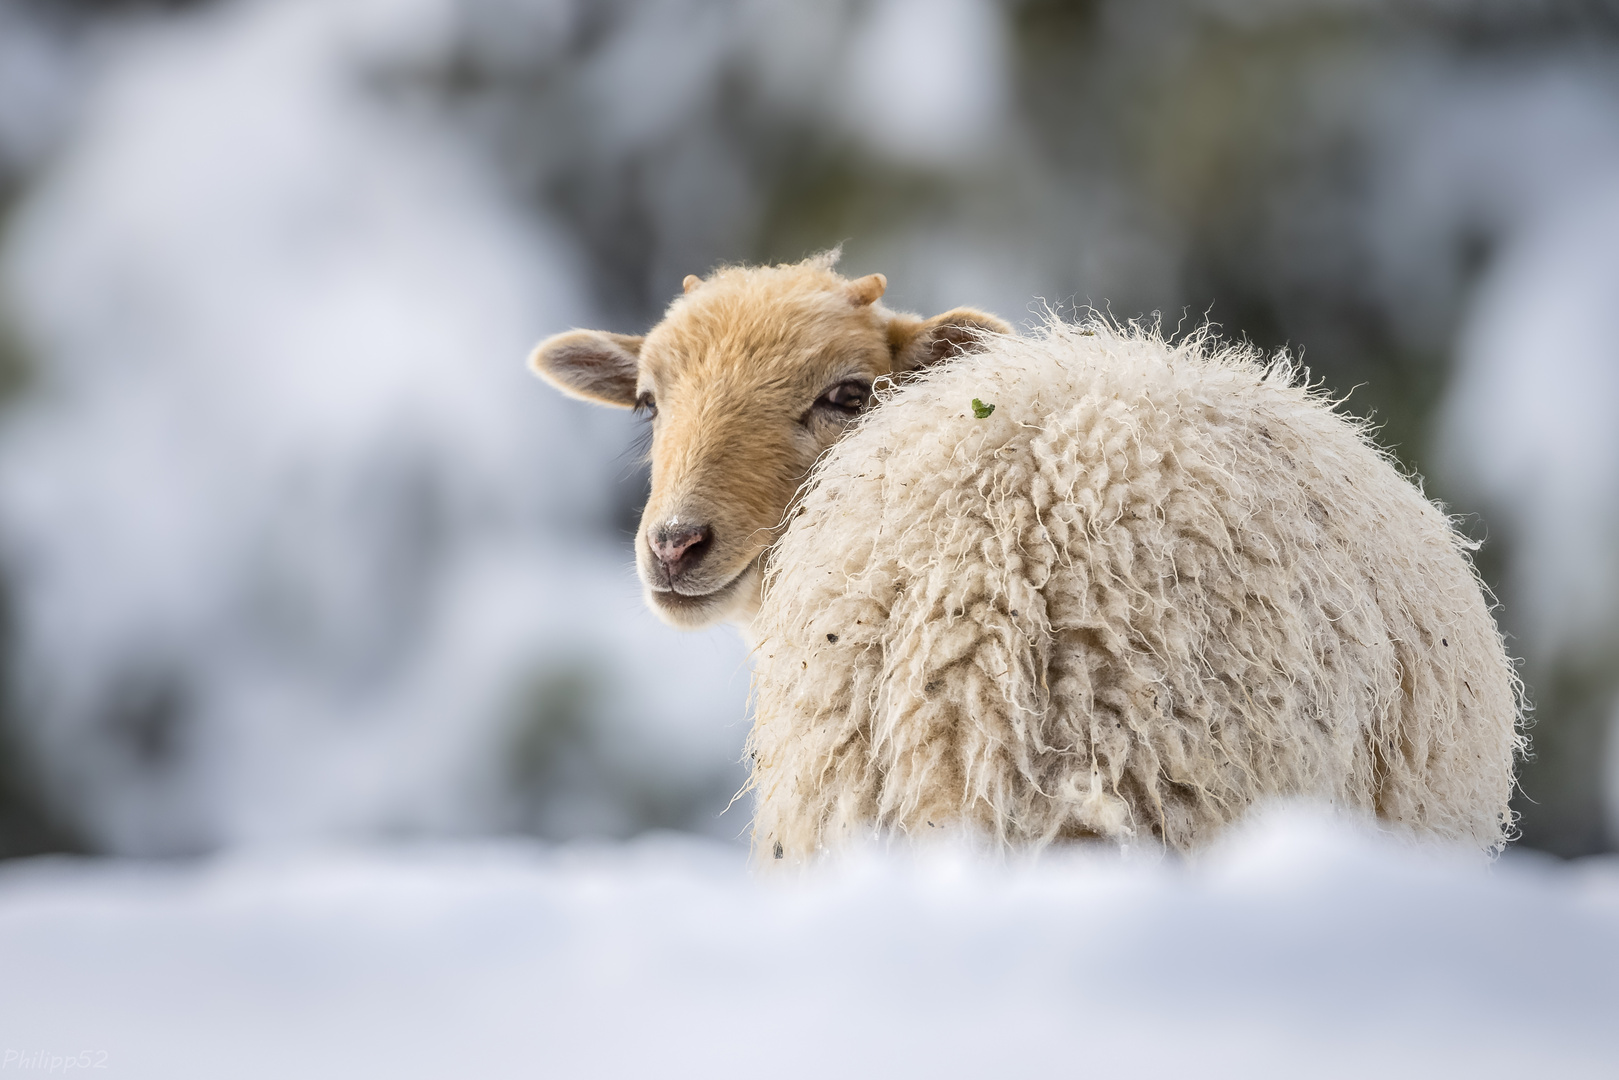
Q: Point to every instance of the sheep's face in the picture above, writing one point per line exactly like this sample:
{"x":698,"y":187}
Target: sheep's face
{"x":751,"y":376}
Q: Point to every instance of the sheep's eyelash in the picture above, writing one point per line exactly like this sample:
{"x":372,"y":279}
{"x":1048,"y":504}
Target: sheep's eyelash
{"x":640,"y":450}
{"x":644,"y":405}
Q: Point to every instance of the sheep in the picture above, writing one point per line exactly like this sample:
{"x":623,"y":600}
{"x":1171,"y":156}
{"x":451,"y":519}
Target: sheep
{"x":1093,"y":584}
{"x":1083,"y":584}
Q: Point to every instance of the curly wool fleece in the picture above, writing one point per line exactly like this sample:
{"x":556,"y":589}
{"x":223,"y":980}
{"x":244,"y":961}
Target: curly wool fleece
{"x":1157,"y":583}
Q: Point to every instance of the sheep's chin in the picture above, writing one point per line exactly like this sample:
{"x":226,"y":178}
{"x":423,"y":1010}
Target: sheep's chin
{"x":736,"y":600}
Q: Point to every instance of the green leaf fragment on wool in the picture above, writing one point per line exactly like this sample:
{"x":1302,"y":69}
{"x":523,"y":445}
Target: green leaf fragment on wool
{"x":981,"y":410}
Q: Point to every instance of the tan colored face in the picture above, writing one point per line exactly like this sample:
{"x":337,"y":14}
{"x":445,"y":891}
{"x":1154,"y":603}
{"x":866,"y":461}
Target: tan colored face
{"x":748,"y":379}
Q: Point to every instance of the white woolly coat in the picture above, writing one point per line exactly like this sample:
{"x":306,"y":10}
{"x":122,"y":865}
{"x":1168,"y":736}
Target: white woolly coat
{"x":1157,"y":583}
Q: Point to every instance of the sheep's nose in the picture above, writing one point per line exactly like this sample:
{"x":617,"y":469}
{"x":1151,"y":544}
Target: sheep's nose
{"x":680,"y":547}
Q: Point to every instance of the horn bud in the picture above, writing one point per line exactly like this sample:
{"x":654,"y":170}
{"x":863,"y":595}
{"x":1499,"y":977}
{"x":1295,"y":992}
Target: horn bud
{"x":691,"y":282}
{"x":866,"y":290}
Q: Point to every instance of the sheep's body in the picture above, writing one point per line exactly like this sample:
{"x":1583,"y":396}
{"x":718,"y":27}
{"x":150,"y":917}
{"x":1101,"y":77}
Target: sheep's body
{"x":1159,"y":582}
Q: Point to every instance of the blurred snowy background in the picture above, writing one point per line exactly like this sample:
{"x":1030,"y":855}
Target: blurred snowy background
{"x":295,"y":556}
{"x":293,"y":549}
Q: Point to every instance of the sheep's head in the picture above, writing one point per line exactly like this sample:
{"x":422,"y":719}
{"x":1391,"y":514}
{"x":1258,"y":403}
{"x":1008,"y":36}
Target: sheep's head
{"x":752,"y":374}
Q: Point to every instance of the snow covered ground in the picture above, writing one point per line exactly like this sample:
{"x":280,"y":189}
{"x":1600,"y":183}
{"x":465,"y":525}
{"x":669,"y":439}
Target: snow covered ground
{"x":1300,"y":947}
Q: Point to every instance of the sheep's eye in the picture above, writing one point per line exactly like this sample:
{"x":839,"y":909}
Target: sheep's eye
{"x":645,"y":406}
{"x":847,"y":398}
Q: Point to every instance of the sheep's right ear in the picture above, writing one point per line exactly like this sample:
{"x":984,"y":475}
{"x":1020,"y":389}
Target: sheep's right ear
{"x":921,"y":343}
{"x":590,"y":364}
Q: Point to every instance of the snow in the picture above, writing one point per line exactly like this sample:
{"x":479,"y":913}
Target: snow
{"x":927,"y":80}
{"x":1527,"y":158}
{"x":294,"y":533}
{"x":1301,"y":946}
{"x":293,"y":545}
{"x":296,"y":547}
{"x":34,"y":72}
{"x":281,"y":481}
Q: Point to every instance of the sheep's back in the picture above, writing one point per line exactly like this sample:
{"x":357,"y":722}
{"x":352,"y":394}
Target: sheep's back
{"x":1156,"y":584}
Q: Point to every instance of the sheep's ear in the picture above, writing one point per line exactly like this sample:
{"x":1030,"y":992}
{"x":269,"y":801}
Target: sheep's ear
{"x":919,"y":343}
{"x":590,"y":364}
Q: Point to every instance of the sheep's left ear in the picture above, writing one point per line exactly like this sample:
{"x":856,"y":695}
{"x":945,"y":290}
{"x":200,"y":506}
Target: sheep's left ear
{"x":920,"y":343}
{"x":590,"y":364}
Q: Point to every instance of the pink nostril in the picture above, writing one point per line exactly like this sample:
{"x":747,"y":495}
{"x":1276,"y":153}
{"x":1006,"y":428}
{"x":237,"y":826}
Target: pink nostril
{"x":675,"y":545}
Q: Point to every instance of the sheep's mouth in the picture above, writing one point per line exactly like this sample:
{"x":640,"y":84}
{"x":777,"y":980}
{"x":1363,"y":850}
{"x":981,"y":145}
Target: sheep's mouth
{"x":696,"y":603}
